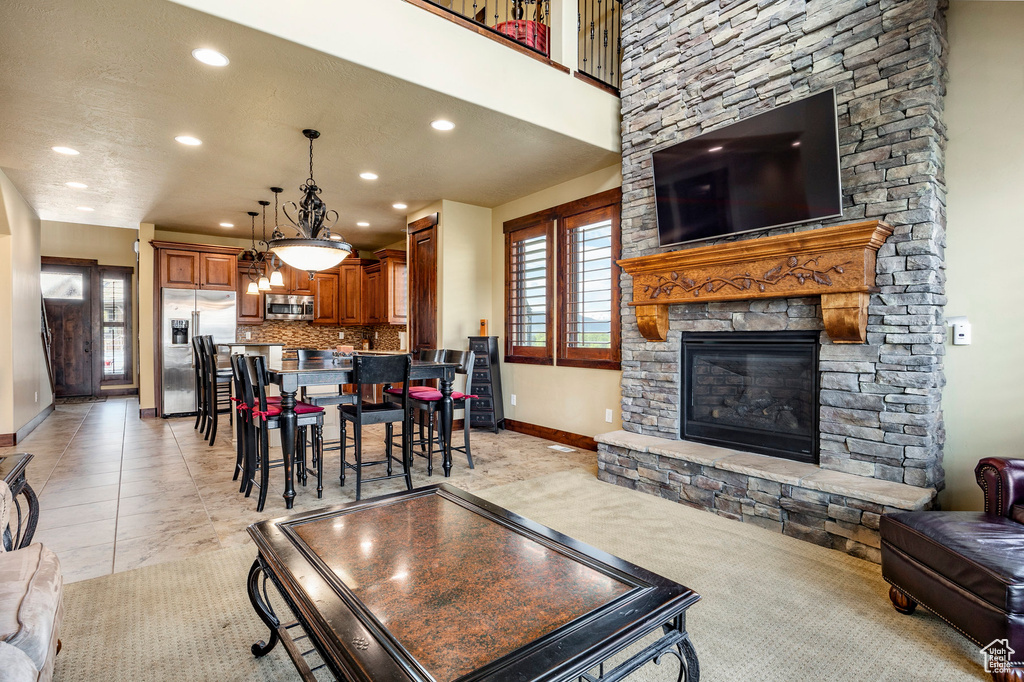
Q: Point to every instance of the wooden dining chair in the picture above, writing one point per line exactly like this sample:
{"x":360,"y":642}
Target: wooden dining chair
{"x":371,"y":370}
{"x":427,"y":400}
{"x":217,"y":388}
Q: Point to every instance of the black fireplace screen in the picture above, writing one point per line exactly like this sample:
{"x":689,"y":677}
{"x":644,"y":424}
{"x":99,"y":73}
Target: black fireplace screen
{"x":753,"y":391}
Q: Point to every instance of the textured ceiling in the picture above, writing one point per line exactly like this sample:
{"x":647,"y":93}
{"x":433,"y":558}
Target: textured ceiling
{"x":115,"y":80}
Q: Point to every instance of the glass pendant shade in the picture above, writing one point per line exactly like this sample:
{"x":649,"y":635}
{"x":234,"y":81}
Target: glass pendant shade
{"x":311,"y":254}
{"x":276,"y":279}
{"x":264,"y":283}
{"x":253,"y":288}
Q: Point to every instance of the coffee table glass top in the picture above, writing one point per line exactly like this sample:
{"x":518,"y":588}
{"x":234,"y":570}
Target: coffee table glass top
{"x":455,"y":590}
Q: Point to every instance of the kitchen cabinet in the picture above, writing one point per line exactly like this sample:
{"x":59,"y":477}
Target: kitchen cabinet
{"x":248,"y":307}
{"x":217,"y":271}
{"x":179,"y":269}
{"x":190,"y":266}
{"x":350,"y":292}
{"x":371,"y":300}
{"x":325,"y":298}
{"x":297,"y":282}
{"x":393,"y":294}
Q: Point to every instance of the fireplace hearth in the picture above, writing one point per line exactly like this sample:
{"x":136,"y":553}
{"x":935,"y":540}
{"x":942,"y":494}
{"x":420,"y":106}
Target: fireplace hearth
{"x":752,"y":391}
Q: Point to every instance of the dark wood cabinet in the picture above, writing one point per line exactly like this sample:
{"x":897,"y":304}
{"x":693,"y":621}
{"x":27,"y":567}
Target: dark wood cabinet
{"x":488,"y":409}
{"x":217,"y":271}
{"x":179,"y":269}
{"x":325,"y":298}
{"x":248,"y":307}
{"x":393,"y":296}
{"x":297,"y":282}
{"x":372,"y":313}
{"x":350,"y":292}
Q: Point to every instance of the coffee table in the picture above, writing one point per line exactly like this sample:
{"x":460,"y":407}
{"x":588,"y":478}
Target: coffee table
{"x":435,"y":584}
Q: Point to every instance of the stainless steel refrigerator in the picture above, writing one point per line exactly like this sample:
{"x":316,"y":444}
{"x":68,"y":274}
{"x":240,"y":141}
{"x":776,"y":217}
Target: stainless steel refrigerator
{"x":187,"y":313}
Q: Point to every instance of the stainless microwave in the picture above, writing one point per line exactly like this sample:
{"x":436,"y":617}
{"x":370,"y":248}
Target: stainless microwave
{"x":284,"y":307}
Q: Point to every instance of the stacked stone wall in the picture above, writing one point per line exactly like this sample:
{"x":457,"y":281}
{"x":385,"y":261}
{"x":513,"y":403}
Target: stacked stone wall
{"x":691,"y":66}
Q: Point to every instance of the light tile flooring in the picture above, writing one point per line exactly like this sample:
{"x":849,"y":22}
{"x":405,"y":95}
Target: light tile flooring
{"x":117,"y":492}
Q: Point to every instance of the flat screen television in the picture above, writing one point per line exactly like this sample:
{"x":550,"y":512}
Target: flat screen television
{"x":776,"y":168}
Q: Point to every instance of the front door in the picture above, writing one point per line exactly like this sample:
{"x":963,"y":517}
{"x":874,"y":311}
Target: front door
{"x":67,"y":295}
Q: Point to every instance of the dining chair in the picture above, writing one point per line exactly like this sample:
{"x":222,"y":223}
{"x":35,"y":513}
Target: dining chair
{"x":371,"y":370}
{"x":264,"y":416}
{"x":217,"y":388}
{"x":325,"y":399}
{"x":199,"y":375}
{"x":428,"y":399}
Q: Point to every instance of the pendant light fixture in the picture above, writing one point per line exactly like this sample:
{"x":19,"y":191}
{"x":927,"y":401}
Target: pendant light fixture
{"x":252,"y":255}
{"x":276,"y":278}
{"x":313,"y":249}
{"x":264,"y":281}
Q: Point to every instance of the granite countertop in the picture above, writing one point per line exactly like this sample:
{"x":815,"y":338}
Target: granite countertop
{"x":249,"y":343}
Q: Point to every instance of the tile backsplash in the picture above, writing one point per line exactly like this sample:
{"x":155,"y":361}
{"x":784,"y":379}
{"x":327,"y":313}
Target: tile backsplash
{"x":305,"y":335}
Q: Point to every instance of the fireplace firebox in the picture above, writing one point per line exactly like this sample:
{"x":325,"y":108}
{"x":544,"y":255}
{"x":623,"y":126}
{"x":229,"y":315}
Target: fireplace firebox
{"x":752,"y":391}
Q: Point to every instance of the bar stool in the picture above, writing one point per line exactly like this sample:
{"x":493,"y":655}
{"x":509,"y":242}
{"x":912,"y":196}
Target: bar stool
{"x":427,"y":399}
{"x":324,"y":399}
{"x":264,"y":416}
{"x":200,"y":382}
{"x":369,"y":370}
{"x":217,"y":390}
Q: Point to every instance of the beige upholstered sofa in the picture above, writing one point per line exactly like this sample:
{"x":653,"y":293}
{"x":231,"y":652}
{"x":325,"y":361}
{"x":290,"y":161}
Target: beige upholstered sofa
{"x":31,"y":588}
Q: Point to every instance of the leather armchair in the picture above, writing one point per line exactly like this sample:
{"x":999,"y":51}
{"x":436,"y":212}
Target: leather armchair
{"x":966,"y":567}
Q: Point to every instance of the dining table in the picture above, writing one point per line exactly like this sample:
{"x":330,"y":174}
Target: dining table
{"x":291,"y":375}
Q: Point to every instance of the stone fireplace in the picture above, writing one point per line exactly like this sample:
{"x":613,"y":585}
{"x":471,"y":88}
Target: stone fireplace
{"x":689,"y":67}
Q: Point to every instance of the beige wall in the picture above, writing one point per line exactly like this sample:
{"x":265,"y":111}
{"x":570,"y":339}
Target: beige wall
{"x":983,"y":402}
{"x":24,"y":384}
{"x":566,"y":398}
{"x":465,"y":272}
{"x":147,"y":386}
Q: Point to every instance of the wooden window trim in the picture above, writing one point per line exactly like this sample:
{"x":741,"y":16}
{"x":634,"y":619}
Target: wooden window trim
{"x":527,"y":354}
{"x":593,"y":358}
{"x":128,"y":274}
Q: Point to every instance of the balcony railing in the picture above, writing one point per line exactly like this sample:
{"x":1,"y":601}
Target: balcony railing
{"x":600,"y":48}
{"x":526,"y":22}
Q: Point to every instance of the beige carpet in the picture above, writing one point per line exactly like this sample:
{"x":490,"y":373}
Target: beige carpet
{"x":773,"y":608}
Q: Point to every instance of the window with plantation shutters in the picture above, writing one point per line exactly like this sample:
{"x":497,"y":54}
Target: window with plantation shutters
{"x":529,"y":293}
{"x":588,"y":288}
{"x":584,"y":329}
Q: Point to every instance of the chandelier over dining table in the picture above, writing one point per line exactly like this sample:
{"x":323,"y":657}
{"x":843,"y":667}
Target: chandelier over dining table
{"x":313,"y":247}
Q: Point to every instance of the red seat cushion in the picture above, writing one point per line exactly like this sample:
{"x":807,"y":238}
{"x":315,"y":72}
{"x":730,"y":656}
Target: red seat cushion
{"x":300,"y":408}
{"x":434,"y":394}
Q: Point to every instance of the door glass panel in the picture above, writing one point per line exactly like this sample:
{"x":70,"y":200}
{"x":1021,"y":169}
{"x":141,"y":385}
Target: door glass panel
{"x":113,"y":351}
{"x":113,"y":300}
{"x":62,"y":285}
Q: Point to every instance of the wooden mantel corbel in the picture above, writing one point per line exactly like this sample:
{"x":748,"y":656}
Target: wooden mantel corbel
{"x":836,"y":263}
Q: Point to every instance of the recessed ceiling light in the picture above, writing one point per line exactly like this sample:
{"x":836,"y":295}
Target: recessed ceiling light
{"x":715,"y":149}
{"x":76,"y":185}
{"x":188,"y":140}
{"x":797,"y":143}
{"x":441,"y":124}
{"x":210,"y":57}
{"x":65,"y":150}
{"x":363,"y":223}
{"x":368,"y":176}
{"x":227,"y":224}
{"x":85,"y":208}
{"x":399,"y":206}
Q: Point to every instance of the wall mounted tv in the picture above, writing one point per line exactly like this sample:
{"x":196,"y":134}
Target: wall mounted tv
{"x":776,"y":168}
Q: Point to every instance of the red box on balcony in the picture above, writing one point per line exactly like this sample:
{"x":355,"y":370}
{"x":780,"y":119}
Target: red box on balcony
{"x":530,"y":33}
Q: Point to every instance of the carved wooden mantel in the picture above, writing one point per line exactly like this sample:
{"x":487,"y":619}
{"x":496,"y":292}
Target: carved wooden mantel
{"x":836,"y":263}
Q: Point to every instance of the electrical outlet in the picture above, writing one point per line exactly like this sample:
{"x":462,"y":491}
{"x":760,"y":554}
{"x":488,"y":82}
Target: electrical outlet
{"x":341,"y":336}
{"x":37,"y":397}
{"x":513,"y":398}
{"x":248,"y":336}
{"x":376,"y":335}
{"x":608,"y":416}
